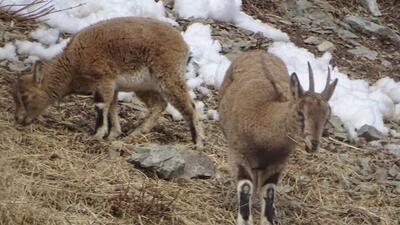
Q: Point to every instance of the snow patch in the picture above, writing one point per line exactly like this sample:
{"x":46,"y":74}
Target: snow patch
{"x":8,"y":52}
{"x":39,"y":50}
{"x":205,"y":54}
{"x":48,"y":36}
{"x":227,"y":11}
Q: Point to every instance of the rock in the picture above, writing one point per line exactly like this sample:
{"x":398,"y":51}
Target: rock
{"x":363,"y":52}
{"x":368,"y":188}
{"x":369,"y":27}
{"x":381,"y":175}
{"x":173,"y":161}
{"x":376,"y":144}
{"x":397,"y":190}
{"x":336,"y":123}
{"x":363,"y":163}
{"x":393,"y":172}
{"x":372,"y":7}
{"x":344,"y":157}
{"x":286,"y":189}
{"x":387,"y":64}
{"x":345,"y":34}
{"x":312,"y":40}
{"x":326,"y":46}
{"x":393,"y":149}
{"x":197,"y":165}
{"x":370,"y":133}
{"x":305,"y":12}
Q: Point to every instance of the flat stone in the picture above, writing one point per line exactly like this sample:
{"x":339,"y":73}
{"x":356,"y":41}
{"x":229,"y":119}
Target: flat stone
{"x":363,"y":163}
{"x":345,"y":34}
{"x":173,"y":161}
{"x":326,"y":46}
{"x":370,"y":133}
{"x":369,"y":27}
{"x":393,"y":149}
{"x":312,"y":40}
{"x":197,"y":165}
{"x":387,"y":64}
{"x":364,"y":52}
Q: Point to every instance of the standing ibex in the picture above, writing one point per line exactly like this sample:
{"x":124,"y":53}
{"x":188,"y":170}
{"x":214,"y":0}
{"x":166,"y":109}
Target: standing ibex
{"x":262,"y":109}
{"x":121,"y":54}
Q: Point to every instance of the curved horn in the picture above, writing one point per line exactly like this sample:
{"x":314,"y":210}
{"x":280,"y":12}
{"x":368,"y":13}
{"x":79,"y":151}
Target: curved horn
{"x":329,"y":88}
{"x":310,"y":78}
{"x":328,"y":79}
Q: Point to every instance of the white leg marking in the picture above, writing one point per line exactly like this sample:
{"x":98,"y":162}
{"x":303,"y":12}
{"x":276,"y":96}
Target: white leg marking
{"x":244,"y":192}
{"x":265,"y":197}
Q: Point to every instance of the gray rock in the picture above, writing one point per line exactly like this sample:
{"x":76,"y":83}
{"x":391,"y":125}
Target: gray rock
{"x":305,"y":12}
{"x":165,"y":160}
{"x":336,"y":123}
{"x":393,"y":149}
{"x":312,"y":40}
{"x":369,"y":27}
{"x":173,"y":161}
{"x":372,"y":7}
{"x":197,"y":165}
{"x":344,"y":157}
{"x":370,"y":133}
{"x":387,"y":64}
{"x":345,"y":34}
{"x":326,"y":46}
{"x":393,"y":172}
{"x":364,"y":52}
{"x":381,"y":175}
{"x":363,"y":163}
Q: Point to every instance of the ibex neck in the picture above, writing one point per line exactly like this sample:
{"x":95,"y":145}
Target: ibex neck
{"x":56,"y":78}
{"x":286,"y":118}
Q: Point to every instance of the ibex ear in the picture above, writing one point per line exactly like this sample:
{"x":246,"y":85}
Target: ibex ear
{"x":37,"y":72}
{"x":328,"y":92}
{"x":295,"y":87}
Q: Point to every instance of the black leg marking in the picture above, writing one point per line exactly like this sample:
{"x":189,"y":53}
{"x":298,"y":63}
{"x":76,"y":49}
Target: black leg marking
{"x":269,"y":210}
{"x":272,"y":179}
{"x":193,"y":132}
{"x":110,"y":124}
{"x":244,"y":201}
{"x":99,"y":117}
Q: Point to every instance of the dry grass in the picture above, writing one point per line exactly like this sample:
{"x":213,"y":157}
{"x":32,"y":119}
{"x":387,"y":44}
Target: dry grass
{"x":53,"y":173}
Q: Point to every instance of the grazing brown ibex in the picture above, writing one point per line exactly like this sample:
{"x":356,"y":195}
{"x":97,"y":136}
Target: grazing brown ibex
{"x":122,"y":54}
{"x":262,"y":109}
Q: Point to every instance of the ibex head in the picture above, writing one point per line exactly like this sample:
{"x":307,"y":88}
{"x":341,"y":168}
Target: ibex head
{"x":312,"y":109}
{"x":30,"y":99}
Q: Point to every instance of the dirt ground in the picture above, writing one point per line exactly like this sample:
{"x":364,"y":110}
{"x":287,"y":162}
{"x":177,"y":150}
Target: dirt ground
{"x":51,"y":172}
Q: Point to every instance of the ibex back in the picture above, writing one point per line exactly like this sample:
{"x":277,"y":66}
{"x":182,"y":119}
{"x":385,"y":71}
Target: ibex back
{"x":262,"y":111}
{"x":122,"y":54}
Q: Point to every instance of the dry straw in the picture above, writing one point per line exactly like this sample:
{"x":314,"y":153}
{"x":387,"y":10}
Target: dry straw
{"x":52,"y":173}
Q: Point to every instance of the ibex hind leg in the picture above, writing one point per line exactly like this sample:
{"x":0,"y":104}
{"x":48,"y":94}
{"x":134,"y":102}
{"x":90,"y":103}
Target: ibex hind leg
{"x":103,"y":98}
{"x":114,"y":126}
{"x":244,"y":192}
{"x":268,"y":193}
{"x":176,"y":93}
{"x":156,"y":105}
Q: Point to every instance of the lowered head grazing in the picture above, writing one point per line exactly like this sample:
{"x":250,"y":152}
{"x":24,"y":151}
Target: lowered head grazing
{"x":30,"y":99}
{"x":312,"y":109}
